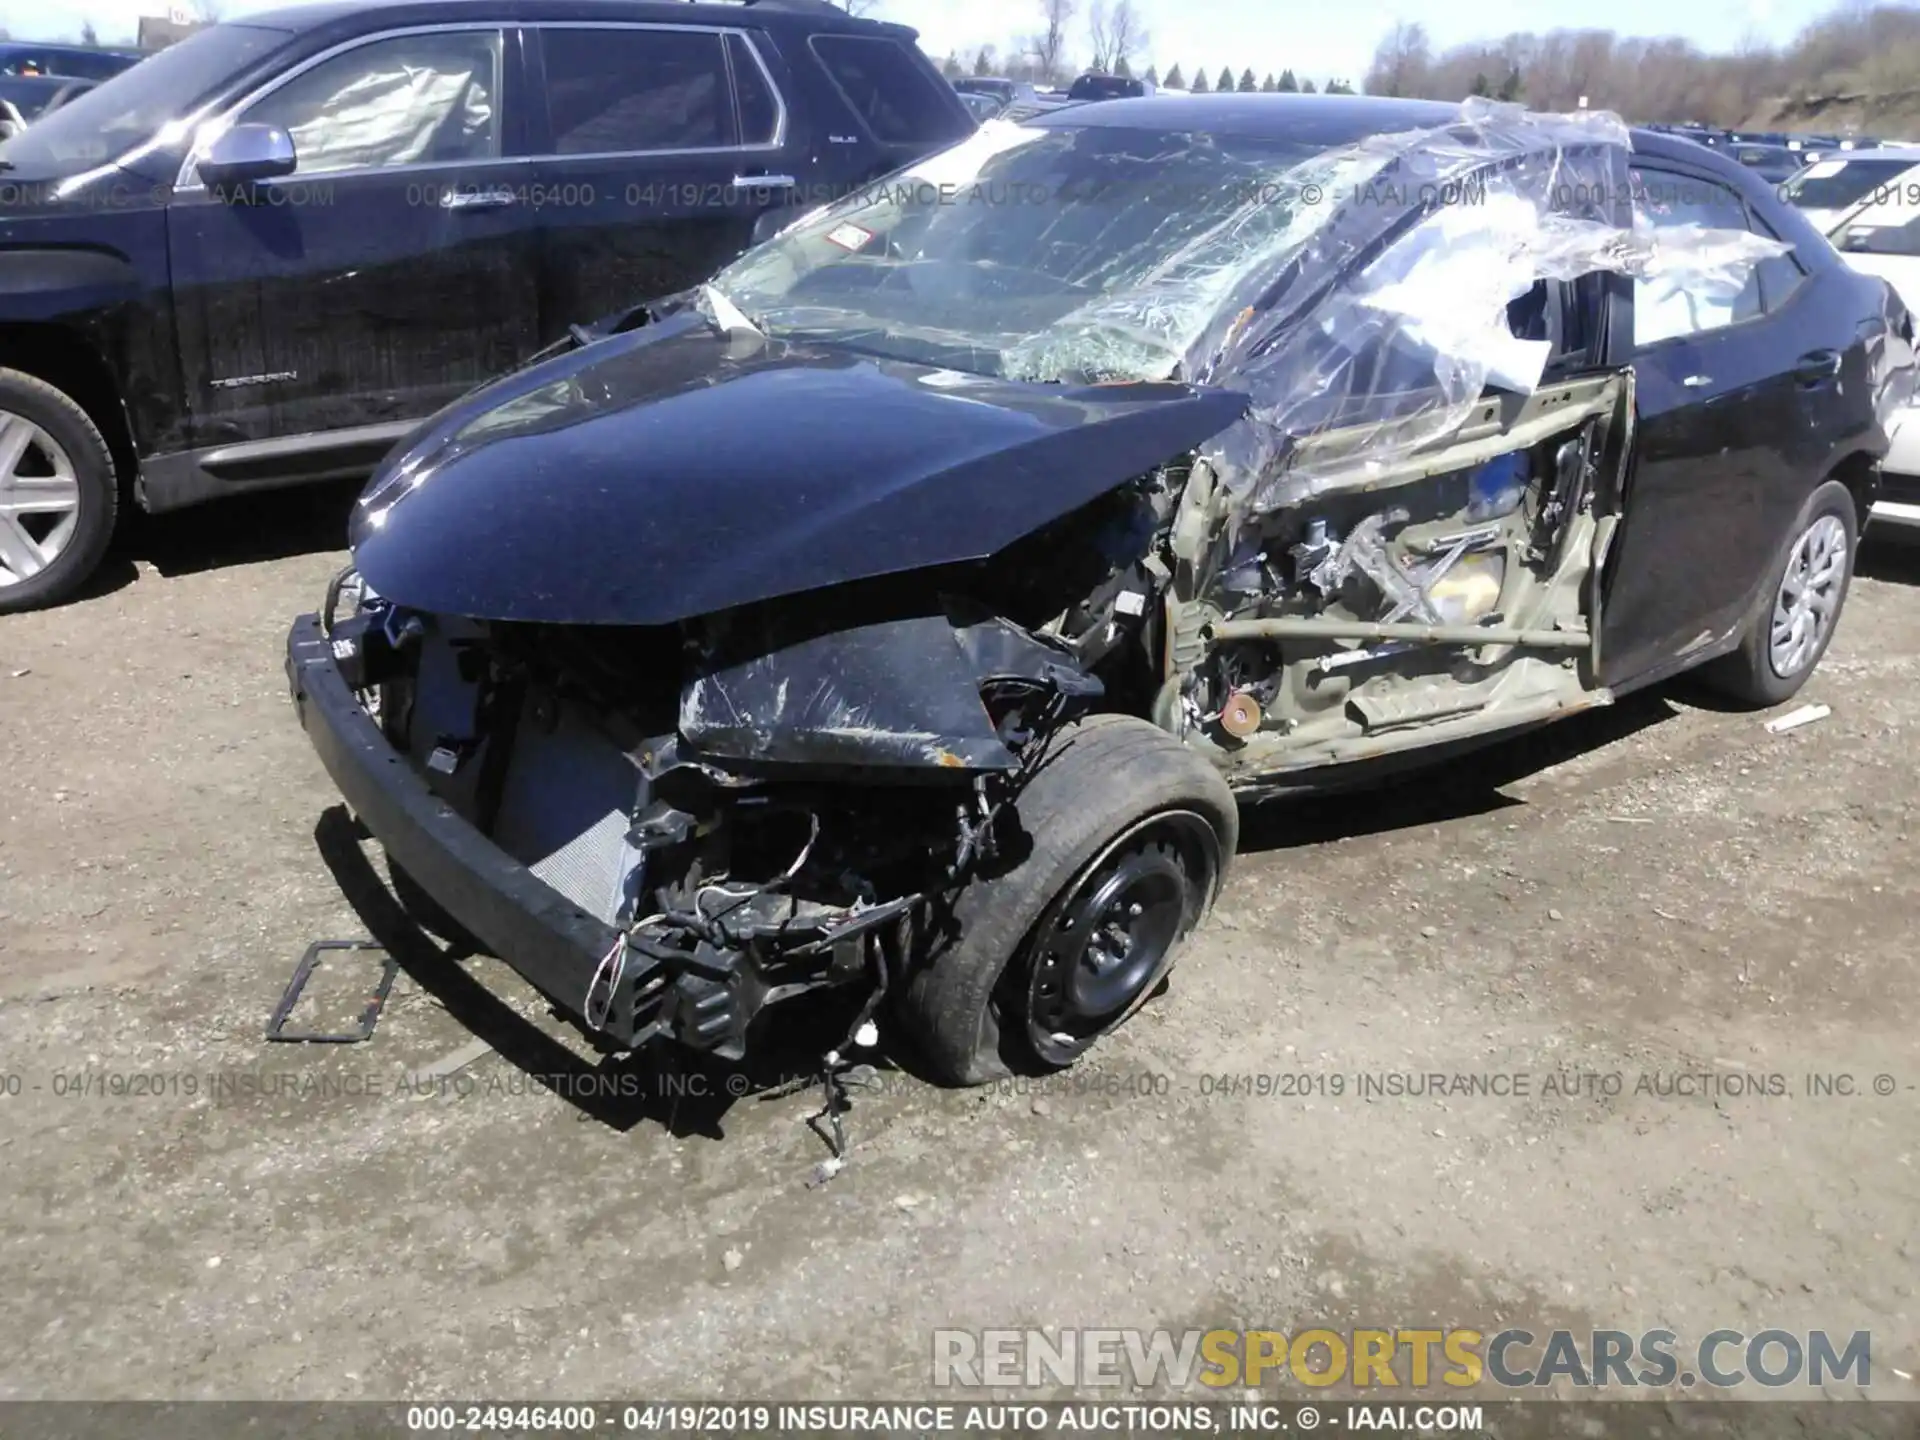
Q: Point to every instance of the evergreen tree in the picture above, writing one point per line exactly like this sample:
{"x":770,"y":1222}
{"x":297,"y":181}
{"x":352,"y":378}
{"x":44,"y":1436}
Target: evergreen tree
{"x":1306,"y":87}
{"x":1200,"y":85}
{"x":1481,"y":86}
{"x":1247,"y":83}
{"x":1513,"y":86}
{"x":1152,"y":77}
{"x":951,"y":68}
{"x":1267,"y":86}
{"x":1225,"y":82}
{"x":1175,"y":80}
{"x":1287,"y":83}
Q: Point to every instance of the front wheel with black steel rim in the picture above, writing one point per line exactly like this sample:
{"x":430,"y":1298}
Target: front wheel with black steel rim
{"x":1117,"y":850}
{"x":58,"y":493}
{"x":1799,"y":608}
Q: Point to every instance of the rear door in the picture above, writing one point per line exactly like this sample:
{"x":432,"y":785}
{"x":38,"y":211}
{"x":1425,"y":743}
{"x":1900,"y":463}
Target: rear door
{"x":661,"y":146}
{"x":1716,"y":445}
{"x":899,"y":102}
{"x":392,"y":272}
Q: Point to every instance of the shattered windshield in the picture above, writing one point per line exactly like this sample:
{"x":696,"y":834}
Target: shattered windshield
{"x":1072,"y":254}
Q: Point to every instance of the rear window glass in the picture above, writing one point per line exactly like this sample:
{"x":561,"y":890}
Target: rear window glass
{"x":759,"y":112}
{"x":893,"y":91}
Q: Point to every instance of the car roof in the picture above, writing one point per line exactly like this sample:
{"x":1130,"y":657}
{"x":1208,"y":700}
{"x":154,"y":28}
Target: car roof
{"x":812,"y":14}
{"x":1322,"y":119}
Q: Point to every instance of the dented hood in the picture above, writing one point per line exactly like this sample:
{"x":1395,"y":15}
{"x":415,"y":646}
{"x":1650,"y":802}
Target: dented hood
{"x":653,"y":477}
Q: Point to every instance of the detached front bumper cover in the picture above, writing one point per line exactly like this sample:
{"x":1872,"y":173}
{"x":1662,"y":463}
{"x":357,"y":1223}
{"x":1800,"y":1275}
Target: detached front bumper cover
{"x":554,"y":945}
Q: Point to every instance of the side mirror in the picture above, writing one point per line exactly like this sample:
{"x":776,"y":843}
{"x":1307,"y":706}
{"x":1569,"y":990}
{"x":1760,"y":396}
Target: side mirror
{"x":247,"y":154}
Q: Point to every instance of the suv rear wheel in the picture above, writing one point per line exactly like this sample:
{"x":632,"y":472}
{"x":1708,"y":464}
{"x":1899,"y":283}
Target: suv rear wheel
{"x":58,"y":493}
{"x":1123,"y":837}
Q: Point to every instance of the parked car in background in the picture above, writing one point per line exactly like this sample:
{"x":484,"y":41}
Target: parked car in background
{"x":981,"y":106}
{"x":1007,"y":92}
{"x":1108,"y":87}
{"x":1881,"y":236}
{"x":261,"y":256}
{"x":25,"y":98}
{"x":1834,"y":184}
{"x":907,"y":608}
{"x":81,"y":62}
{"x":1774,"y":164}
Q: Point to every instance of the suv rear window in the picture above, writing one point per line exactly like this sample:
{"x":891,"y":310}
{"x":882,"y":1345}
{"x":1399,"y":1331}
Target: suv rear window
{"x":759,"y":111}
{"x":894,"y":92}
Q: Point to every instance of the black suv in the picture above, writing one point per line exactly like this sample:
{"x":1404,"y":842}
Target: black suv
{"x":261,"y":256}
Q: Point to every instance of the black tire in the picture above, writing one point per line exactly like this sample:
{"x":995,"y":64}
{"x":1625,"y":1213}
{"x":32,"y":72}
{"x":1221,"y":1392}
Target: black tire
{"x":73,"y":431}
{"x":1116,"y":802}
{"x":426,"y":912}
{"x":1749,"y":676}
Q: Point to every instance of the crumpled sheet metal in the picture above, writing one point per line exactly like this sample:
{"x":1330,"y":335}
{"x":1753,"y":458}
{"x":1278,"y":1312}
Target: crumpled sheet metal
{"x":1407,"y":348}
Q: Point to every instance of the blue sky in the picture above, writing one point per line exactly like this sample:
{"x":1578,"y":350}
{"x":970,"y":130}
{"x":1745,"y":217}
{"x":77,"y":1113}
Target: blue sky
{"x":1320,"y":40}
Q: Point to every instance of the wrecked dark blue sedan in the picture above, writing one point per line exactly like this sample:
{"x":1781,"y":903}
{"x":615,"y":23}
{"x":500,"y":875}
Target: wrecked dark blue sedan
{"x":909,"y":608}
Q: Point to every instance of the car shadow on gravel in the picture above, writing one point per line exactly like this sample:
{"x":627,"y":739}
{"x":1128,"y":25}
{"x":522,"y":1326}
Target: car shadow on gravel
{"x":684,"y":1093}
{"x":1438,"y":788}
{"x":243,"y":530}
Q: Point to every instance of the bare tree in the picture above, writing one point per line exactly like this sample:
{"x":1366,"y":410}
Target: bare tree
{"x":1048,"y":49}
{"x":1401,"y":61}
{"x":1117,"y":34}
{"x":1855,"y":65}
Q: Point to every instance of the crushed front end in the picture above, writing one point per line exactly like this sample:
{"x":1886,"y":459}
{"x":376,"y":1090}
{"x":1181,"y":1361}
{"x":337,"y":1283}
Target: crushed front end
{"x":665,"y":830}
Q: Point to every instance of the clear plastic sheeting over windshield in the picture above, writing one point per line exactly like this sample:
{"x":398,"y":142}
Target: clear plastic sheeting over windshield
{"x":1041,"y":253}
{"x":1363,"y":288}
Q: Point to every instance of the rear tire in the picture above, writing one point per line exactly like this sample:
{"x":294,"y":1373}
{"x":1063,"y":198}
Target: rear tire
{"x":1794,"y":620}
{"x":1119,"y":844}
{"x":45,"y":555}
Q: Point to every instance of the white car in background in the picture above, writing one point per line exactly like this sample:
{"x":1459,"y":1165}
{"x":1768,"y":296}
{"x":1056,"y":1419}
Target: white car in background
{"x":1839,"y":181}
{"x":1882,"y":237}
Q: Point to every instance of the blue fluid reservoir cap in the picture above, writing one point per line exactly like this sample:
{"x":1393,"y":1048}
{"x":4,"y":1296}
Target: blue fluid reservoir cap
{"x":1497,"y":487}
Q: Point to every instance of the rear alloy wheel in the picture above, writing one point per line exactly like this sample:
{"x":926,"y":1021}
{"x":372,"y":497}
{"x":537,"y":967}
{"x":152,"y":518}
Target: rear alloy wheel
{"x":58,"y":493}
{"x":1809,"y":598}
{"x":1799,"y":610}
{"x":1117,"y":848}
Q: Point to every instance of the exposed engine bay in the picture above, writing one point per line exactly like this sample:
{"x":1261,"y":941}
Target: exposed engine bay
{"x":712,"y":823}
